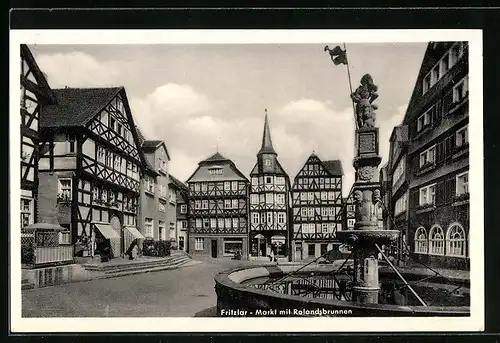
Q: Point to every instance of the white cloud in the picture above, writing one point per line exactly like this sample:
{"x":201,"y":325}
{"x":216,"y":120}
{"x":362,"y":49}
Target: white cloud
{"x":77,"y":69}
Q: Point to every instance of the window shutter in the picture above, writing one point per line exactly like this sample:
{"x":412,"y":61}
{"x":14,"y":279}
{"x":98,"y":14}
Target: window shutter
{"x":440,"y":193}
{"x":414,"y":201}
{"x":440,"y":152}
{"x":449,"y":190}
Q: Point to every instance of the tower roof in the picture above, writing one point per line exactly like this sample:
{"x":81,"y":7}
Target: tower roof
{"x":267,"y":143}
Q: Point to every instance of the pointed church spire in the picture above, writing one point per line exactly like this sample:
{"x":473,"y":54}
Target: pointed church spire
{"x":267,"y":143}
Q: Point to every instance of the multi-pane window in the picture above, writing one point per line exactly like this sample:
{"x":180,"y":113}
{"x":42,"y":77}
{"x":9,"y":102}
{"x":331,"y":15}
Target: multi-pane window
{"x":234,"y":185}
{"x":401,"y":205}
{"x":455,"y":241}
{"x":172,"y":197}
{"x":281,"y":218}
{"x":268,"y":162}
{"x":64,"y":190}
{"x":213,"y":222}
{"x":269,"y":217}
{"x":26,"y":211}
{"x":462,"y":136}
{"x":428,"y":156}
{"x":204,"y":187}
{"x":204,"y":204}
{"x":150,"y":184}
{"x":462,"y":183}
{"x":280,"y":199}
{"x":398,"y":171}
{"x":227,"y":186}
{"x":254,"y":199}
{"x":148,"y":227}
{"x":421,"y":243}
{"x":109,"y":158}
{"x":227,"y":203}
{"x":234,"y":203}
{"x":303,"y":196}
{"x":310,"y":196}
{"x":255,"y":181}
{"x":198,"y":222}
{"x":198,"y":243}
{"x":220,"y":222}
{"x":310,"y":212}
{"x":215,"y":171}
{"x":184,"y":224}
{"x":303,"y":212}
{"x":424,"y":120}
{"x":427,"y":195}
{"x":461,"y":89}
{"x":324,"y":228}
{"x":100,"y":154}
{"x":95,"y":193}
{"x":331,"y":196}
{"x":324,"y":211}
{"x":197,"y":204}
{"x":269,"y":198}
{"x":255,"y":218}
{"x":280,"y":180}
{"x":227,"y":222}
{"x":324,"y":196}
{"x":161,"y":207}
{"x":235,"y":222}
{"x":436,"y":241}
{"x":449,"y":59}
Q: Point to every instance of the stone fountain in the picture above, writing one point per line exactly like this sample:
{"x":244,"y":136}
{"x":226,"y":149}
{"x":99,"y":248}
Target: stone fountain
{"x":368,"y":234}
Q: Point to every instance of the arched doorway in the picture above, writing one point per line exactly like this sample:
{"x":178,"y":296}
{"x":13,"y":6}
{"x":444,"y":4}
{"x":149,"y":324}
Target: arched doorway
{"x":116,"y":244}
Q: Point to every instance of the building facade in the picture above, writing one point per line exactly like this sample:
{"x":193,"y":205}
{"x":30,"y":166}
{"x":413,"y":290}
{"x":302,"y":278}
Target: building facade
{"x":316,"y":208}
{"x":218,"y":211}
{"x":35,"y":93}
{"x":154,"y":214}
{"x":182,"y":214}
{"x":89,"y":168}
{"x":437,"y":159}
{"x":395,"y":189}
{"x":269,"y":202}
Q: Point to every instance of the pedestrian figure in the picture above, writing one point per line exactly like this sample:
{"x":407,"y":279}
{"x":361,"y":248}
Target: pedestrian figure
{"x":268,"y":253}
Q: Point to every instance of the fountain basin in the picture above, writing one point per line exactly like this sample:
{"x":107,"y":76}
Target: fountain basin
{"x":368,"y":237}
{"x":237,"y":296}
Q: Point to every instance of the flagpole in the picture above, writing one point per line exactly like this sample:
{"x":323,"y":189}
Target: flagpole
{"x":350,"y":87}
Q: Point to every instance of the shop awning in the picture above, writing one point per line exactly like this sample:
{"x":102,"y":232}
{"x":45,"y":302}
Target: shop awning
{"x":107,"y":231}
{"x":133,"y":230}
{"x":278,"y":239}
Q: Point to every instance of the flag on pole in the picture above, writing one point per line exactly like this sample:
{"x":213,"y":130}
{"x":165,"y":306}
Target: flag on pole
{"x":337,"y":55}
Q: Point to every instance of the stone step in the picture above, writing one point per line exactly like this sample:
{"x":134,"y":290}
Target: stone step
{"x":26,"y":284}
{"x":183,"y":264}
{"x":107,"y":267}
{"x":132,"y":267}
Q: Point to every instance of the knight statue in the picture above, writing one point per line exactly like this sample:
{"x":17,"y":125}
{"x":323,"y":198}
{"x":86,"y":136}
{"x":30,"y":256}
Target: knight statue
{"x":363,"y":96}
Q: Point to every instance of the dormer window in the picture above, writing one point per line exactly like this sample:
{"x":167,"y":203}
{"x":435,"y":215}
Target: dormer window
{"x":163,"y":166}
{"x":215,"y":170}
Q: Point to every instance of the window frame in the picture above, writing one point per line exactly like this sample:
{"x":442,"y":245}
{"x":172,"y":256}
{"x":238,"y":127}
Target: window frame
{"x":456,"y":182}
{"x":421,"y":242}
{"x":434,"y":248}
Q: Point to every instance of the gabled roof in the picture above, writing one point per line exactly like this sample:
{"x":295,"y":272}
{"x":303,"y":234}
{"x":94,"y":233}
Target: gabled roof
{"x":217,"y":157}
{"x":229,"y":170}
{"x":37,"y":73}
{"x":153,"y":145}
{"x":76,"y":106}
{"x":178,"y":184}
{"x":267,"y":143}
{"x":334,"y":167}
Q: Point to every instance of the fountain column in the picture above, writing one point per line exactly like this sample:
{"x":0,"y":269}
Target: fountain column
{"x":368,"y":228}
{"x":366,"y":194}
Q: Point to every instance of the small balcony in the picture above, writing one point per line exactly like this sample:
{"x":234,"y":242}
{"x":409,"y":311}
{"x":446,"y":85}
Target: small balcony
{"x":426,"y":208}
{"x":426,"y":167}
{"x":461,"y":199}
{"x":460,"y":151}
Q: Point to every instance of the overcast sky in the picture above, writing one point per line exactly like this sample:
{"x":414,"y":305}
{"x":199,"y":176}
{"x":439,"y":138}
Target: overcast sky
{"x":198,"y":97}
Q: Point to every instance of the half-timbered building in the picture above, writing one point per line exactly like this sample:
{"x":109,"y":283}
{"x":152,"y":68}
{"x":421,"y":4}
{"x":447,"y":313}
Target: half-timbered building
{"x":155,"y":218}
{"x":269,"y":202}
{"x":90,"y":168}
{"x":35,"y":93}
{"x":218,"y":212}
{"x":316,"y":207}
